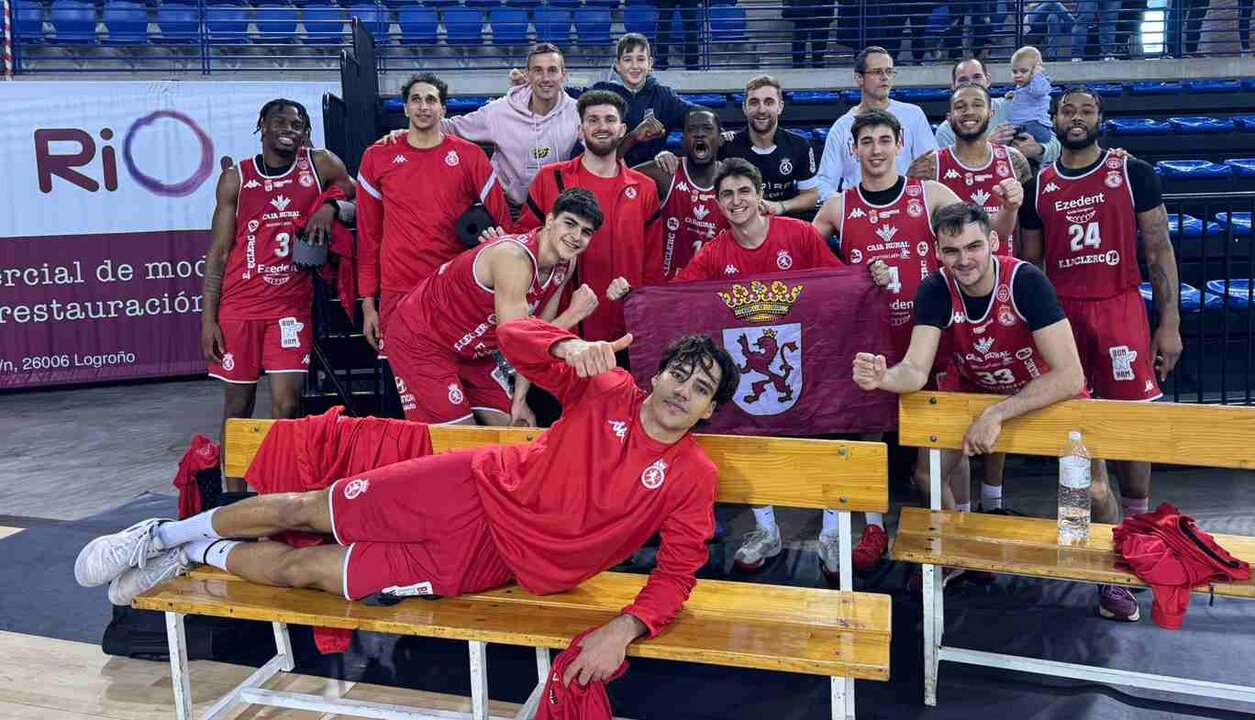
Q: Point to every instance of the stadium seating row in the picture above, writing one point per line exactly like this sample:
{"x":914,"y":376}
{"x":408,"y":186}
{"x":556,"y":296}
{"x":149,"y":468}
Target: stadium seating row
{"x":514,"y":24}
{"x":1236,"y":291}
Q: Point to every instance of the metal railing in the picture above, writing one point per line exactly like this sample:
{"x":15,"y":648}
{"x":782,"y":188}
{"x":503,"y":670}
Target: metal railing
{"x":207,"y":36}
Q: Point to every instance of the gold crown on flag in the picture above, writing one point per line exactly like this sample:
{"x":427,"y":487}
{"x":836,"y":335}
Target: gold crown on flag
{"x":758,"y":302}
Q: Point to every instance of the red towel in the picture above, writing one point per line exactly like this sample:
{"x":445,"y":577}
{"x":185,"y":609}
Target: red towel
{"x":575,"y":701}
{"x":342,"y":274}
{"x":202,"y":454}
{"x":313,"y":452}
{"x":1167,"y":551}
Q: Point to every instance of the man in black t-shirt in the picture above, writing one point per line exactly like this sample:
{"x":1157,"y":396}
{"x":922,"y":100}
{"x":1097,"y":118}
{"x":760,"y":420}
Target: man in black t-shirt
{"x":1008,"y":334}
{"x":786,"y":160}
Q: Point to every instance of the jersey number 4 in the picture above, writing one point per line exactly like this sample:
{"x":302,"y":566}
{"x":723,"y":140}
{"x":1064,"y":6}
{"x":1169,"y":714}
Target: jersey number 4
{"x":895,"y":281}
{"x":1083,"y":236}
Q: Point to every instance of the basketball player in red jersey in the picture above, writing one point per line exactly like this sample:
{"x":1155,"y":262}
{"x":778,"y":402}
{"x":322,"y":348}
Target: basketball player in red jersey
{"x":255,"y":302}
{"x":413,"y":192}
{"x":1007,"y":333}
{"x":443,"y":340}
{"x":690,"y":210}
{"x":1083,"y":217}
{"x":972,"y":167}
{"x":619,"y":467}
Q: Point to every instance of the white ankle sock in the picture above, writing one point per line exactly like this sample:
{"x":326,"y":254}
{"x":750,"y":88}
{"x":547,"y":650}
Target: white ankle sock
{"x":877,"y":519}
{"x":963,"y":507}
{"x":990,"y":497}
{"x":197,"y":527}
{"x":1132,"y":506}
{"x":210,"y":552}
{"x":765,"y":517}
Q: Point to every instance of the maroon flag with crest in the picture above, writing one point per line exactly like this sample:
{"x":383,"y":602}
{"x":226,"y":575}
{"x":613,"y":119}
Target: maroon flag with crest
{"x":793,"y":336}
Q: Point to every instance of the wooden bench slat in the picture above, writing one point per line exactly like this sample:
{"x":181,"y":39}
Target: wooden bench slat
{"x":706,"y":637}
{"x":752,"y":470}
{"x":1029,"y":546}
{"x":1206,"y":435}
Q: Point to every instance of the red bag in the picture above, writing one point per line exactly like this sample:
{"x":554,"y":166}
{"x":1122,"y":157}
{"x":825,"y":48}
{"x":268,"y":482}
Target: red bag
{"x":203,"y":454}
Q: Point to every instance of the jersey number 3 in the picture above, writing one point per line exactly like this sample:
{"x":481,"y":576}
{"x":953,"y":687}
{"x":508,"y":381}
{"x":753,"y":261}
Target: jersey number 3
{"x":1083,"y":236}
{"x":285,"y":245}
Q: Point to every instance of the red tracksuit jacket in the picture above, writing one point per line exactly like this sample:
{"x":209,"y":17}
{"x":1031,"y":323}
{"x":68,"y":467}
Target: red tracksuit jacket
{"x":1167,"y":551}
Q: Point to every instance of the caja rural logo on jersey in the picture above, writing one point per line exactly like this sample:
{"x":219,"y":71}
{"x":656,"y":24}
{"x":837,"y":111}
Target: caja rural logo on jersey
{"x":769,"y":357}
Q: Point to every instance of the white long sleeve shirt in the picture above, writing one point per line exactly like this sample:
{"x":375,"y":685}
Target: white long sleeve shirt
{"x":839,"y":167}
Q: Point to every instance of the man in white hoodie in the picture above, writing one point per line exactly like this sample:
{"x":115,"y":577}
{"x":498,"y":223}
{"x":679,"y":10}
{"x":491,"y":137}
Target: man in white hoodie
{"x":532,"y":126}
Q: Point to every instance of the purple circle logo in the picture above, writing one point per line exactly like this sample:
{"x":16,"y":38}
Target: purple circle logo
{"x":152,"y":184}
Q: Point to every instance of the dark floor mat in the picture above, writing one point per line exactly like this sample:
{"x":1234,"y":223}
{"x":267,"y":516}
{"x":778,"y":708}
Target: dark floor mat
{"x":1036,"y":618}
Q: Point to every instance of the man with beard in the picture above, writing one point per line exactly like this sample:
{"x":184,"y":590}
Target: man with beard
{"x":256,"y":302}
{"x":785,"y":160}
{"x":629,"y":243}
{"x":873,"y":74}
{"x":413,"y":192}
{"x":1083,"y":218}
{"x":690,"y":213}
{"x":1000,"y":132}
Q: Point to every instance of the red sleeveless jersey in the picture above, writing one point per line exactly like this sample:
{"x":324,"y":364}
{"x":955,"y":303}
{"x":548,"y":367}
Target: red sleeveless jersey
{"x":976,"y":185}
{"x":260,"y":281}
{"x":996,"y":352}
{"x":691,"y":218}
{"x":899,"y":233}
{"x":454,"y":309}
{"x":1089,"y":230}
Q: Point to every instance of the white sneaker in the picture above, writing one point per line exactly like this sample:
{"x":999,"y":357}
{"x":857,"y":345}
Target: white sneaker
{"x":830,"y":555}
{"x":133,"y":581}
{"x":758,"y":546}
{"x":104,"y":558}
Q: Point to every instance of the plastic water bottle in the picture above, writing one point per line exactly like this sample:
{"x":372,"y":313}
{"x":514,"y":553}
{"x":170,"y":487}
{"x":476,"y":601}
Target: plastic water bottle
{"x":1074,"y":479}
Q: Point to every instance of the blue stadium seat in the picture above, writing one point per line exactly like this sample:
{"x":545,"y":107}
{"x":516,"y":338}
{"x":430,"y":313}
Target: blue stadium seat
{"x":73,"y":21}
{"x":800,"y":132}
{"x":1190,"y":297}
{"x":179,"y":24}
{"x":1137,"y":126}
{"x":612,"y":4}
{"x":324,"y":25}
{"x":820,"y":134}
{"x":807,"y":97}
{"x":1155,"y":88}
{"x":851,"y":97}
{"x":441,"y":3}
{"x":1192,"y":169}
{"x":276,"y":21}
{"x":710,"y":100}
{"x":918,"y":94}
{"x":727,"y":23}
{"x":374,"y":17}
{"x":1238,"y":222}
{"x":571,"y":4}
{"x":1239,"y":295}
{"x":553,"y":24}
{"x":467,"y":103}
{"x":1213,"y":86}
{"x":528,"y":4}
{"x":227,"y":23}
{"x":1249,"y":84}
{"x":1199,"y":125}
{"x":28,"y":21}
{"x":592,"y":26}
{"x":419,"y":24}
{"x":1245,"y":122}
{"x":463,"y":26}
{"x":1244,"y":167}
{"x":127,"y":22}
{"x":1188,"y":226}
{"x":1107,"y":89}
{"x":641,"y":18}
{"x":509,"y":25}
{"x":485,"y":4}
{"x":675,"y":139}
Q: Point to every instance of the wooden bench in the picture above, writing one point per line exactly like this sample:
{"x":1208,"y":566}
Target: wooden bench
{"x":835,"y":633}
{"x":1211,"y":436}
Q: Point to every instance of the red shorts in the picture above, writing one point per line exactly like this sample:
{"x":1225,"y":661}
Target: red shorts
{"x":437,"y":386}
{"x":388,"y":300}
{"x":1113,"y":339}
{"x":415,"y":528}
{"x":276,"y":346}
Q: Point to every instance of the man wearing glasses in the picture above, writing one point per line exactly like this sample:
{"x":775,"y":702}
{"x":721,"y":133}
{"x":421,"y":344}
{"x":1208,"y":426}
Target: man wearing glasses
{"x":873,"y":74}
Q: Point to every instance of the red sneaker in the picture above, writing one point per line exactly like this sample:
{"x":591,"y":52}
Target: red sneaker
{"x":871,"y":547}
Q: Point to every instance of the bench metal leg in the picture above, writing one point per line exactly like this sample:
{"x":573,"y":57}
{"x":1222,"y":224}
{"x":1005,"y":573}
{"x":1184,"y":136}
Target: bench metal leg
{"x":283,"y":646}
{"x":842,"y":698}
{"x":934,"y":615}
{"x":532,"y":705}
{"x":479,"y":679}
{"x":176,"y":638}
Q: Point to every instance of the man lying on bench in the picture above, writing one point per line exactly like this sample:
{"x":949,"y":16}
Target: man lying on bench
{"x":619,"y":467}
